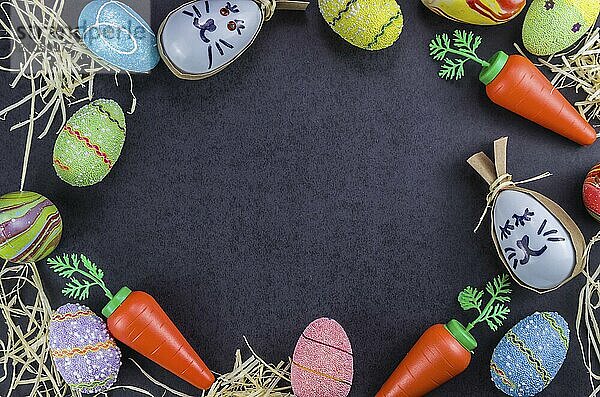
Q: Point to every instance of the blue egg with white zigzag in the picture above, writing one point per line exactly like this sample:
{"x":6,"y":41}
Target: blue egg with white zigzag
{"x":114,"y":32}
{"x":530,"y":355}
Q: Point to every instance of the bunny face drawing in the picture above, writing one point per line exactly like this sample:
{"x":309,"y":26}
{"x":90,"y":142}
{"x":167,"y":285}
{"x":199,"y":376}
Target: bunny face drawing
{"x":535,"y":245}
{"x":203,"y":37}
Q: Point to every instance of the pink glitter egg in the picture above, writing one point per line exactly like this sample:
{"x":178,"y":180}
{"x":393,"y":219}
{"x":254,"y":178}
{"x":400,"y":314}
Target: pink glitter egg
{"x":322,"y":363}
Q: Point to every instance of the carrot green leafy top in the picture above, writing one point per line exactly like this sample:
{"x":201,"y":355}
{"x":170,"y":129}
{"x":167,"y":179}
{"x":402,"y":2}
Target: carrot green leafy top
{"x":68,"y":266}
{"x":495,"y":311}
{"x":464,"y":44}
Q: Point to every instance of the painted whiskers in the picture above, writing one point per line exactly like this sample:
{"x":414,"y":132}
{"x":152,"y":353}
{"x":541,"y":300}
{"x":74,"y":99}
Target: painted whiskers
{"x":539,"y":244}
{"x":201,"y":38}
{"x":523,"y":245}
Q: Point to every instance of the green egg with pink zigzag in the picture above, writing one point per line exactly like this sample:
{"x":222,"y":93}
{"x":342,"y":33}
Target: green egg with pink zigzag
{"x":90,"y":143}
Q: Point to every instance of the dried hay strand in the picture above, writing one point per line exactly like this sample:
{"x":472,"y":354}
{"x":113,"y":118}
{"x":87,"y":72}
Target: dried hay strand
{"x":25,"y":362}
{"x":27,"y":367}
{"x":25,"y":354}
{"x":55,"y":61}
{"x":252,"y":377}
{"x":580,"y":69}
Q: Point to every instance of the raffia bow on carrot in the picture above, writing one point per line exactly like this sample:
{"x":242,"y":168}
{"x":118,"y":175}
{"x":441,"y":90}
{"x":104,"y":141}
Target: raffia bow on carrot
{"x":444,"y":351}
{"x":514,"y":83}
{"x":135,"y":319}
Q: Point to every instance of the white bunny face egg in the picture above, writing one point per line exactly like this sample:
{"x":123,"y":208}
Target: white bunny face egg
{"x":534,"y":243}
{"x":201,"y":38}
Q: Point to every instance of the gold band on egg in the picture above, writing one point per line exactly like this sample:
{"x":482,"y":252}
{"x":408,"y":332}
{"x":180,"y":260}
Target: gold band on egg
{"x":82,"y":351}
{"x":71,"y":316}
{"x":321,"y":374}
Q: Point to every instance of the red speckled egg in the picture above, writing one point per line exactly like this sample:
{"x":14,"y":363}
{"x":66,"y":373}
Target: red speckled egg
{"x":591,"y":192}
{"x":322,"y":363}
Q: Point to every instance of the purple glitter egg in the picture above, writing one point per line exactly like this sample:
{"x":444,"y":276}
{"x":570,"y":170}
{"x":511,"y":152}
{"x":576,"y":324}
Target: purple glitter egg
{"x":84,"y":353}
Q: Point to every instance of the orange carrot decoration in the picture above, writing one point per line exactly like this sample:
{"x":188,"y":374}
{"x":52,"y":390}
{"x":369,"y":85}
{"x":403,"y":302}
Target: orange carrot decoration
{"x":514,"y":83}
{"x":137,"y":320}
{"x":444,"y":351}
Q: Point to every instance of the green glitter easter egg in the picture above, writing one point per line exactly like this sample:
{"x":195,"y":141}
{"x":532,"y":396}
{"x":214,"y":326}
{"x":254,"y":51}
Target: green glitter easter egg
{"x":552,"y":26}
{"x":90,"y":143}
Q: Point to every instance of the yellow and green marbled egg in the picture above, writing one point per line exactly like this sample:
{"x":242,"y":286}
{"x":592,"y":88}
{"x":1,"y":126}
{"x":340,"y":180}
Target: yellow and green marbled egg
{"x":368,"y":24}
{"x":477,"y":12}
{"x":90,"y":143}
{"x":30,"y":227}
{"x":552,"y":26}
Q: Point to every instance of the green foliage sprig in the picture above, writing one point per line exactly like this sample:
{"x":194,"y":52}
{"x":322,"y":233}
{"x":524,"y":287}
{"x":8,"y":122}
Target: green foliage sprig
{"x":464,"y":44}
{"x":495,"y":311}
{"x":68,"y":266}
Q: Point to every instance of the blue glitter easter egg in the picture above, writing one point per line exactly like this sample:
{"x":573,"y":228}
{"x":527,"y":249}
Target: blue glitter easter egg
{"x":119,"y":35}
{"x":86,"y":356}
{"x":529,"y":356}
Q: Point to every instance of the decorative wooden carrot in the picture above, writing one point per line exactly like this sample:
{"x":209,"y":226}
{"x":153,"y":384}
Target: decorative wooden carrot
{"x":514,"y":83}
{"x":137,"y":320}
{"x":444,"y":351}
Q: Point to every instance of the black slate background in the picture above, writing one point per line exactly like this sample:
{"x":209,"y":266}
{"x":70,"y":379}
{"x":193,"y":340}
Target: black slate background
{"x":309,"y":179}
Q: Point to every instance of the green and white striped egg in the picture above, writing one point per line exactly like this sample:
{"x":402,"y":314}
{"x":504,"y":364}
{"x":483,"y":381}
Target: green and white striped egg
{"x":90,"y":143}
